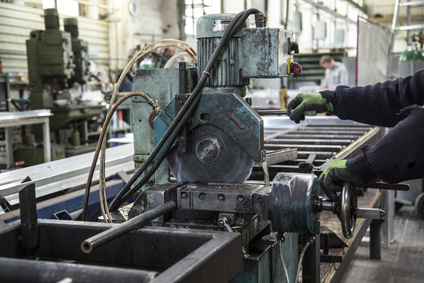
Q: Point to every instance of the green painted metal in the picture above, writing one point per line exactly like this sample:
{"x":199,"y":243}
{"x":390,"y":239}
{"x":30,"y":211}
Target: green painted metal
{"x":228,"y":112}
{"x":266,"y":52}
{"x":161,"y":85}
{"x":228,"y":68}
{"x":80,"y":49}
{"x":33,"y":155}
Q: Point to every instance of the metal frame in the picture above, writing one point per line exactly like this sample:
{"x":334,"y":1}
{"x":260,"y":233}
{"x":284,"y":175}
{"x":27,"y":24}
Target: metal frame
{"x":197,"y":256}
{"x":9,"y":120}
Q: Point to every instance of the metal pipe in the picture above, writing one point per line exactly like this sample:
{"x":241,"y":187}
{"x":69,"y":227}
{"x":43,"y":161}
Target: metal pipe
{"x":137,"y":222}
{"x":23,"y":270}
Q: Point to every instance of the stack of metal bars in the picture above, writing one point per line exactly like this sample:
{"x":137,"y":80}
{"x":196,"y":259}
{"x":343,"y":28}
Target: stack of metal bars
{"x":315,"y":144}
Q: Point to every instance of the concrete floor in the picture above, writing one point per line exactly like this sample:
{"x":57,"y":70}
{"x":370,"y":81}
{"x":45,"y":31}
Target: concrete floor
{"x":402,"y":262}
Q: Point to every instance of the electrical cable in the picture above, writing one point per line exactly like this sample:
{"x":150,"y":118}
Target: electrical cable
{"x":107,"y":120}
{"x":140,"y":54}
{"x":181,"y":116}
{"x":177,"y":56}
{"x":102,"y":182}
{"x":302,"y":254}
{"x":286,"y":274}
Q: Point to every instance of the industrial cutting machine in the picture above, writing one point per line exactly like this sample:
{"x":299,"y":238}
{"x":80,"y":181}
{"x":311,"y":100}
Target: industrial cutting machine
{"x":221,"y":200}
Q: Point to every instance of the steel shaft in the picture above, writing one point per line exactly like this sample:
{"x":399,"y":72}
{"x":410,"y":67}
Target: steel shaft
{"x":137,"y":222}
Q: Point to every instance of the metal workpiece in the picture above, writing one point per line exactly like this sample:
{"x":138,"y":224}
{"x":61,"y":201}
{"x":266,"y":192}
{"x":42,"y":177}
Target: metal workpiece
{"x":278,"y":156}
{"x":137,"y":222}
{"x":291,"y":203}
{"x":266,"y":52}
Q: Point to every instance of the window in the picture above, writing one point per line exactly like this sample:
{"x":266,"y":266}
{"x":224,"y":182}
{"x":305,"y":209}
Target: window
{"x":195,"y":9}
{"x":65,"y":7}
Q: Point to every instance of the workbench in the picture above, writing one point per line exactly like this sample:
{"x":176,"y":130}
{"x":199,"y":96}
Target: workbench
{"x":9,"y":120}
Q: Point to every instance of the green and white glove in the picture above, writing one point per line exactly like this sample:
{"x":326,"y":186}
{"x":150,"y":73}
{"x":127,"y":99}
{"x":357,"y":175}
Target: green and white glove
{"x":334,"y":176}
{"x":307,"y":102}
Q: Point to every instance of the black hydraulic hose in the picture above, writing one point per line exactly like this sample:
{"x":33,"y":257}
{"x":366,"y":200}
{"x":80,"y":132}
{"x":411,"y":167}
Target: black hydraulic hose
{"x":181,"y":116}
{"x":177,"y":120}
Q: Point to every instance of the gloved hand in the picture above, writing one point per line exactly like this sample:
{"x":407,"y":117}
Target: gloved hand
{"x":307,"y":102}
{"x":334,"y":176}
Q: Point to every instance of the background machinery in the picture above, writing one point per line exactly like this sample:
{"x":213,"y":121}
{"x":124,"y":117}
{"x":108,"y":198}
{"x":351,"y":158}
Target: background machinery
{"x":58,"y":71}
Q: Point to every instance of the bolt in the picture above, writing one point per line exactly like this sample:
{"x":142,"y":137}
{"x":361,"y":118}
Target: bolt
{"x":184,"y":195}
{"x":207,"y":150}
{"x":202,"y":196}
{"x":221,"y":197}
{"x":182,"y":151}
{"x":240,"y":198}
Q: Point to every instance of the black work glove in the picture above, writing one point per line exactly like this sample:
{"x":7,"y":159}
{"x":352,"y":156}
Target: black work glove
{"x":335,"y":175}
{"x":307,"y":102}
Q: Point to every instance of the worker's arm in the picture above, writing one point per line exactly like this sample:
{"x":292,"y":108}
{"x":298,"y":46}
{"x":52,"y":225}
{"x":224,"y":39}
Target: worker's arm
{"x":398,"y":156}
{"x":378,"y":104}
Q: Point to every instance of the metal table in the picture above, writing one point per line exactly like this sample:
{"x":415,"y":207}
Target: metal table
{"x":9,"y":120}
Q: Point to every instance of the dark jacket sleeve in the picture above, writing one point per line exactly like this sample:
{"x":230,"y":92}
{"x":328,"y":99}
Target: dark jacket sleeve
{"x":378,"y":104}
{"x":398,"y":156}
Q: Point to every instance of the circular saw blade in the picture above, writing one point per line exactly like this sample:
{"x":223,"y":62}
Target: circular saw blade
{"x":211,"y":157}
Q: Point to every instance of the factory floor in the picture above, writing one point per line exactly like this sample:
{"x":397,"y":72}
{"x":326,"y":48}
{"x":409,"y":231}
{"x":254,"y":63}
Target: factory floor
{"x":402,"y":262}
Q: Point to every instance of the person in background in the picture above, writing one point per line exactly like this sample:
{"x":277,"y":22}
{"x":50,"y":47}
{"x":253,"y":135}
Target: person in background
{"x":335,"y":73}
{"x":399,"y":155}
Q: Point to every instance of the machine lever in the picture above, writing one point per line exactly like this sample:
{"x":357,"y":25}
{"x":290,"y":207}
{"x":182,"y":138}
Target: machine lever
{"x":223,"y":222}
{"x":371,"y":213}
{"x":393,"y":187}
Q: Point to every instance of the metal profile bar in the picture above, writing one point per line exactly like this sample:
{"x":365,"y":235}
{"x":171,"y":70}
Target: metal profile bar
{"x":411,"y":27}
{"x":412,"y":4}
